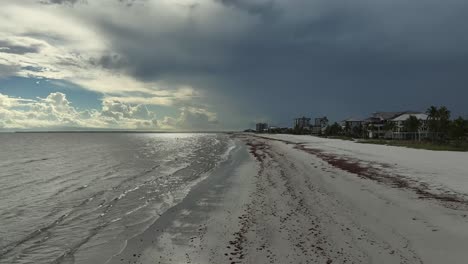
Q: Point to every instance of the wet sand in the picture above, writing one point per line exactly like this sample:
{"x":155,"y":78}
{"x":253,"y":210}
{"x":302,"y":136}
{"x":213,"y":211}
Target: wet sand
{"x":198,"y":229}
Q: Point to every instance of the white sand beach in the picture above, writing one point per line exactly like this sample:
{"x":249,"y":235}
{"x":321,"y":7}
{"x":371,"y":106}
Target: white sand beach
{"x":301,"y":199}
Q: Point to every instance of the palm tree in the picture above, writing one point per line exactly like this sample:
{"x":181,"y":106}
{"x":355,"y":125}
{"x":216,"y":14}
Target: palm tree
{"x":433,"y":120}
{"x":347,"y":128}
{"x":412,"y":125}
{"x":458,"y":128}
{"x":333,"y":130}
{"x":389,"y":126}
{"x":432,"y":112}
{"x":444,"y":121}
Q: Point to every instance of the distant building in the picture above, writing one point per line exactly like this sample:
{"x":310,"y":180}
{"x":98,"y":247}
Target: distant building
{"x":377,"y":123}
{"x":399,"y":131}
{"x":353,"y":126}
{"x":352,"y":122}
{"x":261,"y":127}
{"x":391,"y":124}
{"x":302,"y":123}
{"x":320,"y":125}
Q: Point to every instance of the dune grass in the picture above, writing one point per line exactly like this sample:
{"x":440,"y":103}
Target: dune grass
{"x":341,"y":137}
{"x":449,"y":146}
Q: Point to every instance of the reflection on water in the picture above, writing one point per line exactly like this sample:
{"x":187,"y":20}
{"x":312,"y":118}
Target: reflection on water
{"x":65,"y":196}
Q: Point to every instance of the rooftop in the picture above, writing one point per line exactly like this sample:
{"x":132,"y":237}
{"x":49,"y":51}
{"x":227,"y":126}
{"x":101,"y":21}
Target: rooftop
{"x":405,"y":116}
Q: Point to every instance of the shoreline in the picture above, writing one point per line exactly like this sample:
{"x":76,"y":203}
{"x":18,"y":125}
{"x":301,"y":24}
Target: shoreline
{"x":275,"y":202}
{"x":184,"y":226}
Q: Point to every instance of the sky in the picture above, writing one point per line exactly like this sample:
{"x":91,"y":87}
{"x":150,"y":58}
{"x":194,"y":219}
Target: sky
{"x":226,"y":64}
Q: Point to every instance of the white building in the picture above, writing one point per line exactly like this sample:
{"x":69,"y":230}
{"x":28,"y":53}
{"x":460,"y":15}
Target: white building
{"x":399,"y":131}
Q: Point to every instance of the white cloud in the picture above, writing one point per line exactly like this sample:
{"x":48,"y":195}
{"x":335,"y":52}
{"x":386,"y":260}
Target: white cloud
{"x":192,"y":118}
{"x":56,"y":111}
{"x":61,"y":43}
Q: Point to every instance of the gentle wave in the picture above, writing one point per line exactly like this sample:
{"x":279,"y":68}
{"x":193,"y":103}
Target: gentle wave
{"x":113,"y":186}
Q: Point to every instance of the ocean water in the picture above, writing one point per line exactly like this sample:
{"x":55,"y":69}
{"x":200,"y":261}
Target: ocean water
{"x":77,"y":197}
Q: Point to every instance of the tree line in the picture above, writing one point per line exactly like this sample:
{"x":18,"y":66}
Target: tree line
{"x":440,"y":126}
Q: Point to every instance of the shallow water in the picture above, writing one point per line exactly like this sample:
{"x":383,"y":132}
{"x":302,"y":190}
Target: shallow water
{"x":64,"y":197}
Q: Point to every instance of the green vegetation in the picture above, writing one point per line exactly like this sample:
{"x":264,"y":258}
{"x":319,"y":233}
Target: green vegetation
{"x":389,"y":126}
{"x":300,"y":131}
{"x":445,"y":146}
{"x":438,"y":122}
{"x":437,"y":132}
{"x":341,"y":137}
{"x":412,"y":124}
{"x":334,"y":130}
{"x":458,"y":129}
{"x":444,"y":133}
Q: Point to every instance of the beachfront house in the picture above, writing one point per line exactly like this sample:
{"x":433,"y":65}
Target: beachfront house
{"x":379,"y":124}
{"x":391,"y":125}
{"x":400,"y":130}
{"x":353,"y":126}
{"x":352,"y":122}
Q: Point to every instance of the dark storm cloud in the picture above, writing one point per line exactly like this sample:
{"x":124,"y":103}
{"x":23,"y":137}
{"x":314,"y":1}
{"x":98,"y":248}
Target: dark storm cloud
{"x":329,"y":57}
{"x":266,"y":9}
{"x":333,"y":34}
{"x":150,"y":56}
{"x":109,"y":61}
{"x":8,"y":47}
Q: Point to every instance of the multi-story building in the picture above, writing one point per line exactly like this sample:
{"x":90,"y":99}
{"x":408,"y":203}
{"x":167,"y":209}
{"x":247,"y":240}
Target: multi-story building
{"x":399,"y":128}
{"x":352,"y":123}
{"x":320,"y":125}
{"x":392,"y":125}
{"x":261,"y":127}
{"x":302,"y":123}
{"x":378,"y":124}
